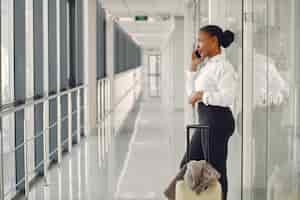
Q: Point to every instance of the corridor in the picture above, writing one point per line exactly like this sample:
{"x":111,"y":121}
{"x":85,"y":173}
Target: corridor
{"x":139,"y":164}
{"x":95,"y":95}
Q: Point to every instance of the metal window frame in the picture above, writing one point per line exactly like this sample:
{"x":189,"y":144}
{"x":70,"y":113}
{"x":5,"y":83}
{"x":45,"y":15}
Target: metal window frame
{"x":43,"y":99}
{"x":1,"y":132}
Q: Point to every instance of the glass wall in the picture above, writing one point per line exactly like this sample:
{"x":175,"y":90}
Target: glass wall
{"x":228,"y":15}
{"x":7,"y":52}
{"x":265,"y":55}
{"x":7,"y":90}
{"x":233,"y":21}
{"x":101,"y":41}
{"x":40,"y":61}
{"x":275,"y":133}
{"x":128,"y":54}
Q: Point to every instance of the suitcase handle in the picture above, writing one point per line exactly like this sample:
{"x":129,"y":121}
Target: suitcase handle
{"x":202,"y":129}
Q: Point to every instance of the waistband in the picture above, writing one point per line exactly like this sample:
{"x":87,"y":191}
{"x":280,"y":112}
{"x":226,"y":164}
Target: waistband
{"x":202,"y":106}
{"x":217,"y":117}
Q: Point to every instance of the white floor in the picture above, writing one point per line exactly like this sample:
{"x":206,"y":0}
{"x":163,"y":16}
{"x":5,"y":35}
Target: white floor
{"x":141,"y":160}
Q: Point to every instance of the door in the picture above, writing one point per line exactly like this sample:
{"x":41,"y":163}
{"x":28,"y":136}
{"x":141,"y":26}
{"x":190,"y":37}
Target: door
{"x":154,"y":75}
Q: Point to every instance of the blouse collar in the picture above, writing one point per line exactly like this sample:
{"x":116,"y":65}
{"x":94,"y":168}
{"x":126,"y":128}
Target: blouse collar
{"x":218,"y":57}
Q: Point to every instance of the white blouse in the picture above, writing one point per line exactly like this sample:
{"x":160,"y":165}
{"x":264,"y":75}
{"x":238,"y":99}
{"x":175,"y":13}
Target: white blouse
{"x":217,"y":80}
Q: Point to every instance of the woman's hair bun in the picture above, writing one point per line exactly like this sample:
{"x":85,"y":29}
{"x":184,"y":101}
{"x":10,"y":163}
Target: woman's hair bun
{"x":227,"y":38}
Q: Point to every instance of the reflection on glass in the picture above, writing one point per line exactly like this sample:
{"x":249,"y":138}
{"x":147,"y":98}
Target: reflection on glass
{"x":7,"y":51}
{"x":60,"y":192}
{"x":79,"y":178}
{"x":275,"y":135}
{"x":9,"y":157}
{"x":7,"y":93}
{"x":234,"y":55}
{"x":70,"y":179}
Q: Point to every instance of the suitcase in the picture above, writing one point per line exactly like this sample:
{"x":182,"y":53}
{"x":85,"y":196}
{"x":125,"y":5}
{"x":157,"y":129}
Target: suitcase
{"x":183,"y":192}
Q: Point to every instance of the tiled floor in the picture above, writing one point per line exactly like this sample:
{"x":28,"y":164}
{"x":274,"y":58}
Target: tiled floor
{"x":142,"y":159}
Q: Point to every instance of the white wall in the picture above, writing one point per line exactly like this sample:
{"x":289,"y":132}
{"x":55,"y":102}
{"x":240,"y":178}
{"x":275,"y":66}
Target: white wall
{"x":179,"y":63}
{"x":188,"y":48}
{"x":127,"y":88}
{"x":90,"y":14}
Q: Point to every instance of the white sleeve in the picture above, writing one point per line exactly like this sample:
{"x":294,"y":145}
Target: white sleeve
{"x":190,"y":82}
{"x":227,"y":89}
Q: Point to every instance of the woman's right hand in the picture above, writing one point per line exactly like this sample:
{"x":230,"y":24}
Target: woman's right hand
{"x":196,"y":61}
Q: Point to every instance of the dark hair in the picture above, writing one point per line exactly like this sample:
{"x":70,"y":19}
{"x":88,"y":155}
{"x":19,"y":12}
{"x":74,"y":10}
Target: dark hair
{"x":225,"y":38}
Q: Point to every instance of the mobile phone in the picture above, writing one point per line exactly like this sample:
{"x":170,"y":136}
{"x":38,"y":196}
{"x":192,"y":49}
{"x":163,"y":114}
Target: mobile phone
{"x":197,"y":53}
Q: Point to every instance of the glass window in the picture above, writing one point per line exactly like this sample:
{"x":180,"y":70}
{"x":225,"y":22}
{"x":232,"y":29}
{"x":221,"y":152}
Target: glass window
{"x":101,"y":44}
{"x":71,"y":34}
{"x":116,"y":50}
{"x":64,"y":69}
{"x":38,"y":17}
{"x":52,"y":46}
{"x":74,"y":39}
{"x":234,"y":54}
{"x":275,"y":138}
{"x":20,"y":87}
{"x":19,"y":51}
{"x":52,"y":77}
{"x":283,"y":169}
{"x":38,"y":44}
{"x":29,"y":112}
{"x":79,"y":40}
{"x":127,"y":52}
{"x":7,"y":91}
{"x":7,"y":51}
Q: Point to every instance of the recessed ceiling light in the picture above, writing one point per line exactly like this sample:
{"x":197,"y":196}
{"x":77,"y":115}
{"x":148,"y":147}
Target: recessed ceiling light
{"x":130,"y":19}
{"x":151,"y":19}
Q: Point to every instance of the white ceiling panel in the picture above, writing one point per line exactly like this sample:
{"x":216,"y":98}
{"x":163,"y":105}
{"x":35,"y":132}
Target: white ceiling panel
{"x":147,"y":28}
{"x":148,"y":7}
{"x":147,"y":34}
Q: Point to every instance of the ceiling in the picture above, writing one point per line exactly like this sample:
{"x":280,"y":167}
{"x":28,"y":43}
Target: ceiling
{"x":150,"y":34}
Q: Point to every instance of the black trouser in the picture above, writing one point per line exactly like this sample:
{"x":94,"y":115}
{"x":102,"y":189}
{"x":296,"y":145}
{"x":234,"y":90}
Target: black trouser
{"x":221,"y":125}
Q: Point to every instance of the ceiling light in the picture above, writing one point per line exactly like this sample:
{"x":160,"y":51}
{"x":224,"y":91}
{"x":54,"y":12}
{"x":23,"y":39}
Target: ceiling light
{"x":128,"y":19}
{"x":151,"y":19}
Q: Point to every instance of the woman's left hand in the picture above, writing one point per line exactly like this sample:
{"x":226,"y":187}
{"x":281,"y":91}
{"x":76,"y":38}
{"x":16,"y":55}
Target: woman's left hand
{"x":195,"y":98}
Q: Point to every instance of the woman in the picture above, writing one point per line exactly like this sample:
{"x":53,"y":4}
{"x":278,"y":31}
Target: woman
{"x":213,"y":88}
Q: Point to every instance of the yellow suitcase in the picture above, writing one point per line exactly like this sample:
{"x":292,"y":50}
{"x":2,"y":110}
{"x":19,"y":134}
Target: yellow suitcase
{"x":183,"y":192}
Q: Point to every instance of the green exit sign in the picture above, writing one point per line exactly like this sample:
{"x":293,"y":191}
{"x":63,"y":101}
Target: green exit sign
{"x":141,"y":18}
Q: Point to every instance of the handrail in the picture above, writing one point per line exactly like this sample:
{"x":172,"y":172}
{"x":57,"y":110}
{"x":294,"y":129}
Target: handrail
{"x":118,"y":74}
{"x":118,"y":101}
{"x":31,"y":102}
{"x":103,"y":78}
